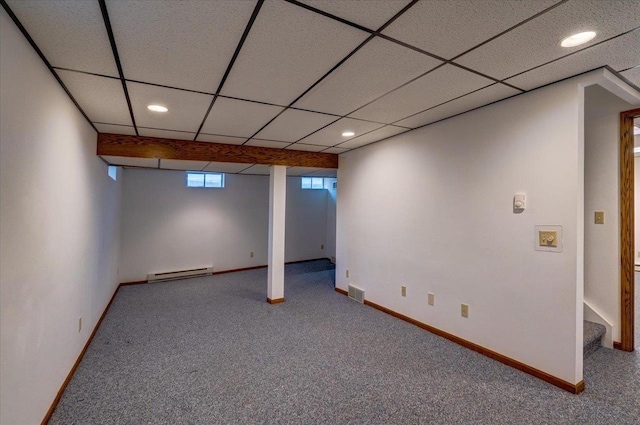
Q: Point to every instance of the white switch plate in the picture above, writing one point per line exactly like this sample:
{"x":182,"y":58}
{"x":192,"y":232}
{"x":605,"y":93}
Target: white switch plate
{"x":431,"y":298}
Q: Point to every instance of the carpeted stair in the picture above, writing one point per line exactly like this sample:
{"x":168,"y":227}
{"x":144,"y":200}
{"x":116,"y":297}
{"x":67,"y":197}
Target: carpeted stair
{"x":593,"y":334}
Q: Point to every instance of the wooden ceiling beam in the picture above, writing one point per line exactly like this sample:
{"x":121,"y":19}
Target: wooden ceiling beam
{"x":153,"y":147}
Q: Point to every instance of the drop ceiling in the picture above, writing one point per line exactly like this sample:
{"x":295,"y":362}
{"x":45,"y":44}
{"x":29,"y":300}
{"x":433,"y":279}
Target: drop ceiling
{"x":295,"y":75}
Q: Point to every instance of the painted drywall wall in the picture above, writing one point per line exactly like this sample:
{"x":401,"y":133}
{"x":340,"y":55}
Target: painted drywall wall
{"x":167,"y":226}
{"x":602,"y":193}
{"x":637,"y":201}
{"x":332,"y":198}
{"x":59,"y":228}
{"x":448,"y":226}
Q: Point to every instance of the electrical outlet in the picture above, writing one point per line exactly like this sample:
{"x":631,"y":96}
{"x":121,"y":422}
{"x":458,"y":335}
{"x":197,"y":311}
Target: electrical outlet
{"x":79,"y":324}
{"x":464,"y":310}
{"x":321,"y":246}
{"x":599,"y":217}
{"x":404,"y":290}
{"x":347,"y":273}
{"x":251,"y":254}
{"x":431,"y":298}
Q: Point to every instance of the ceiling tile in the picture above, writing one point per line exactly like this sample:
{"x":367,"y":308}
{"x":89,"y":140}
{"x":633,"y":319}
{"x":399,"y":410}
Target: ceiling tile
{"x":213,"y":138}
{"x":261,"y":169}
{"x":268,"y":143}
{"x":332,"y":134}
{"x":177,"y":164}
{"x":633,"y":75}
{"x":281,"y":57}
{"x":126,"y":161}
{"x":298,"y":171}
{"x":166,"y":134}
{"x":538,"y":41}
{"x":186,"y":44}
{"x":186,"y":109}
{"x":70,"y":33}
{"x":293,"y":125}
{"x":238,"y":118}
{"x":306,"y":148}
{"x":445,"y":83}
{"x":620,"y":53}
{"x":476,"y":99}
{"x":370,"y":14}
{"x":448,"y":28}
{"x":101,"y":98}
{"x":336,"y":150}
{"x":226,"y":167}
{"x":379,"y":67}
{"x":115,"y":129}
{"x":374,"y":136}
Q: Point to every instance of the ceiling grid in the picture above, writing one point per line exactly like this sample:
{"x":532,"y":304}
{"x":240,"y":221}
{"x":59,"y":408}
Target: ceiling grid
{"x":295,"y":74}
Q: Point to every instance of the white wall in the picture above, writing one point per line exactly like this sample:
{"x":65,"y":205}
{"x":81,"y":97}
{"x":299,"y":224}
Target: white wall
{"x":602,"y":193}
{"x":59,"y":224}
{"x":166,"y":226}
{"x":332,"y":197}
{"x":432,"y":209}
{"x":637,"y":201}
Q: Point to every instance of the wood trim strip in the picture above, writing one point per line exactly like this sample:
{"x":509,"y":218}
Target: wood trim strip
{"x":63,"y":387}
{"x":137,"y":282}
{"x":560,"y":383}
{"x":342,"y":291}
{"x":275,"y":300}
{"x":627,"y":222}
{"x":154,"y":147}
{"x":617,"y":345}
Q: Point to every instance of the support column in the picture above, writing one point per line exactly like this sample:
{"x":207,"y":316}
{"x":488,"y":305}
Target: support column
{"x":277,"y":206}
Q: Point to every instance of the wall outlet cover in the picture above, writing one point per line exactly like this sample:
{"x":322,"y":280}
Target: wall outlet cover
{"x":542,"y":240}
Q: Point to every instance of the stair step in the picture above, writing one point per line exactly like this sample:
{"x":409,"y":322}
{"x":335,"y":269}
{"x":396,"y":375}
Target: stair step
{"x":593,"y":334}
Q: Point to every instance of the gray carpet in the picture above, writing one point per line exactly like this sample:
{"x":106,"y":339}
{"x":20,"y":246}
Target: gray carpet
{"x":212,"y":351}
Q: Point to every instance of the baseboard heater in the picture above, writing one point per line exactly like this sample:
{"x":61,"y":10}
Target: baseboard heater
{"x":356,"y":294}
{"x":179,"y":274}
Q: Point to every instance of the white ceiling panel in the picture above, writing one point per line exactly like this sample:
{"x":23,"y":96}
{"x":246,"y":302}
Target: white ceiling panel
{"x":115,"y":129}
{"x":370,"y":14}
{"x":166,"y":134}
{"x":379,"y":67}
{"x":282,"y":56}
{"x":332,"y":134}
{"x":70,"y":33}
{"x":336,"y":150}
{"x":299,"y":171}
{"x":268,"y":143}
{"x":213,"y":138}
{"x":538,"y":41}
{"x":238,"y":118}
{"x":463,"y":104}
{"x":293,"y":125}
{"x":126,"y":161}
{"x":186,"y":44}
{"x":226,"y":167}
{"x":177,"y":164}
{"x":102,"y":99}
{"x":306,"y":148}
{"x":448,"y":28}
{"x":441,"y":85}
{"x":261,"y":169}
{"x":633,"y":75}
{"x":620,"y":53}
{"x":186,"y":109}
{"x":374,"y":136}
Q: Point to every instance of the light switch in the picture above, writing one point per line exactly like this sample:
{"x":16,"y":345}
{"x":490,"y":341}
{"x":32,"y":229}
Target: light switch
{"x":548,"y":238}
{"x":599,"y":217}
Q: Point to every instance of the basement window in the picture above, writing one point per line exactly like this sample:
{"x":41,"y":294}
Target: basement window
{"x":112,"y":171}
{"x":207,"y":180}
{"x":313,"y":183}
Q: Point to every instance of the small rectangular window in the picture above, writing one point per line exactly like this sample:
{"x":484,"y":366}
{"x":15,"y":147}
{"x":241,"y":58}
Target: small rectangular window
{"x":112,"y":171}
{"x":312,"y":183}
{"x":209,"y":180}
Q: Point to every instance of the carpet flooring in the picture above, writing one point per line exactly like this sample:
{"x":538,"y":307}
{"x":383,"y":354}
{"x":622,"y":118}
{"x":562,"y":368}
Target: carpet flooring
{"x":212,"y":351}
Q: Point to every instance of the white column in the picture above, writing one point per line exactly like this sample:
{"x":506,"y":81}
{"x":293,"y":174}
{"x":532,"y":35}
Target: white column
{"x":277,"y":205}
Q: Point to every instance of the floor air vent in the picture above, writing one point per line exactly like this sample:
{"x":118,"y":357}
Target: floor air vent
{"x":179,"y":274}
{"x":356,"y":293}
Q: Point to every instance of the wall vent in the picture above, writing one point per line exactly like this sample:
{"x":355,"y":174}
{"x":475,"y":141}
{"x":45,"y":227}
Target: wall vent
{"x":179,"y":274}
{"x":356,"y":294}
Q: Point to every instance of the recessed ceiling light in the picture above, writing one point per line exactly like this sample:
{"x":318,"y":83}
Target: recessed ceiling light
{"x":578,"y":39}
{"x":157,"y":108}
{"x":348,"y":134}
